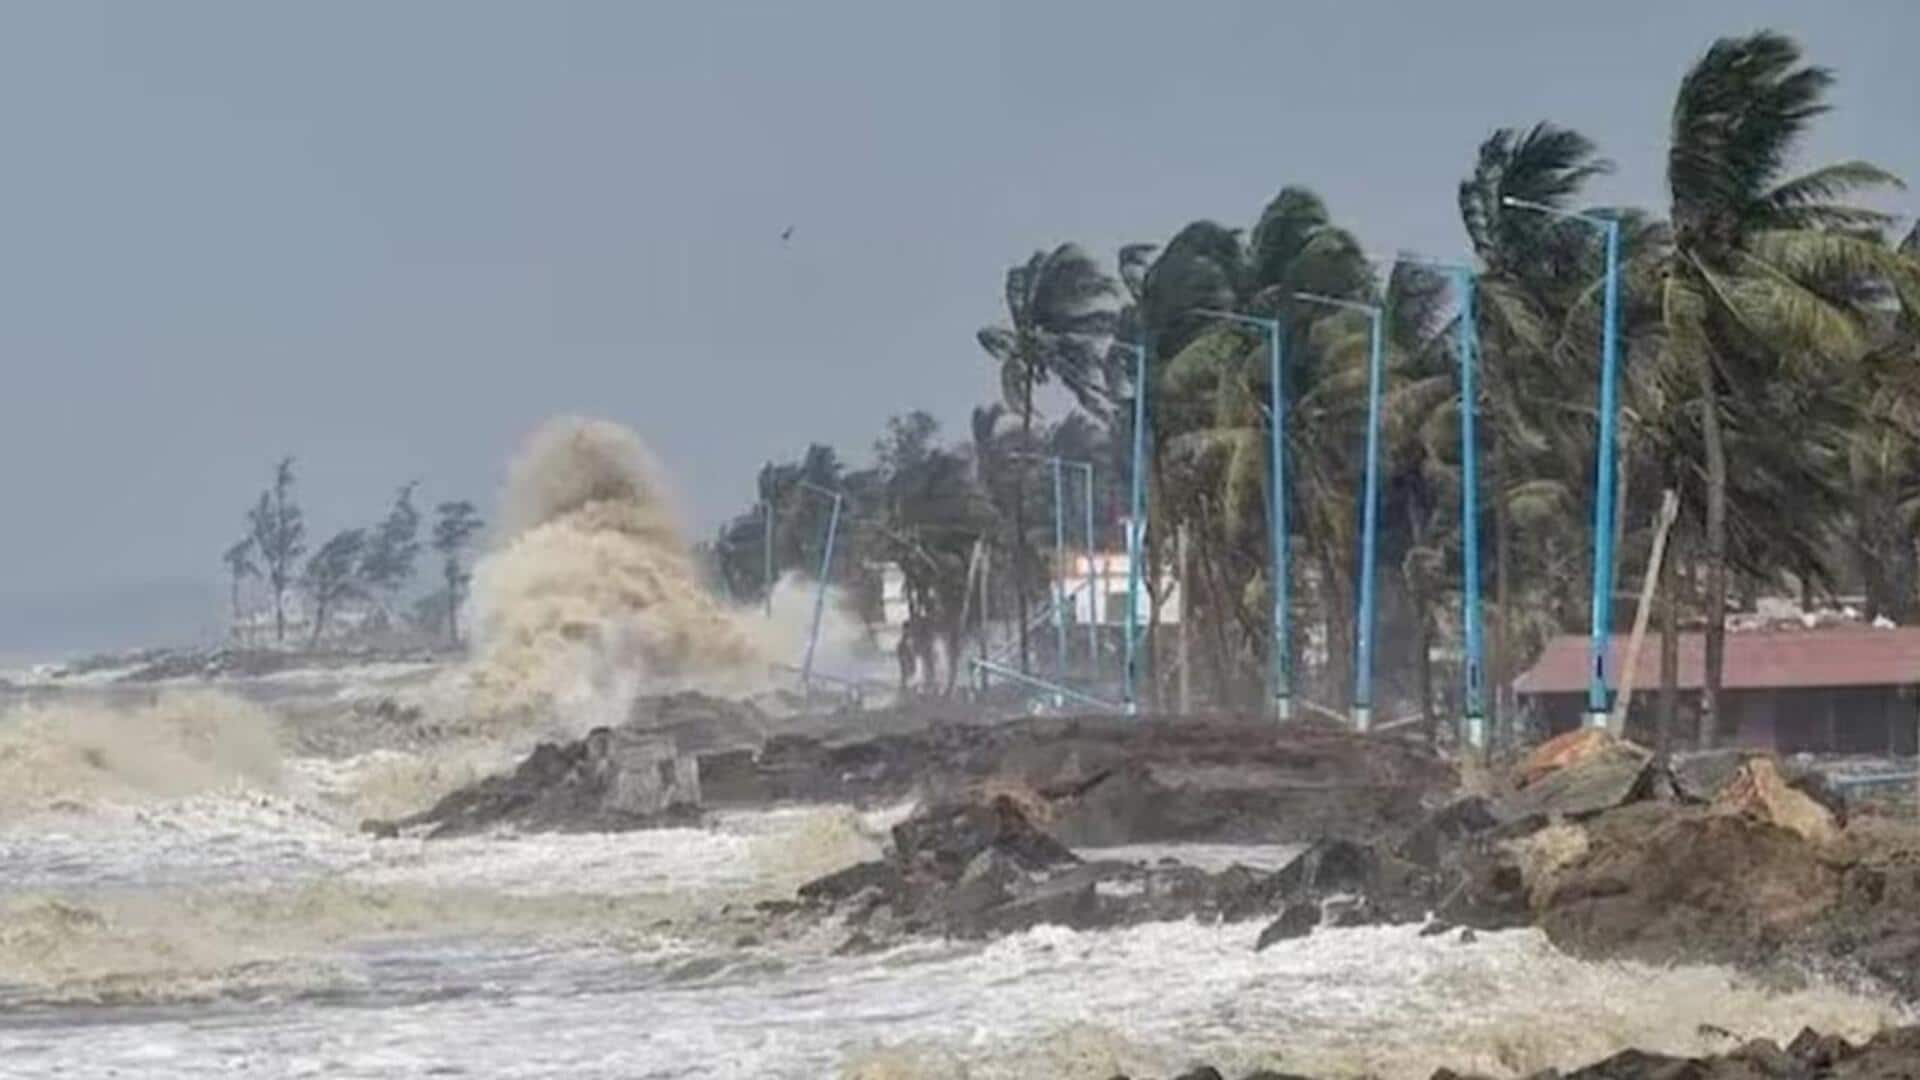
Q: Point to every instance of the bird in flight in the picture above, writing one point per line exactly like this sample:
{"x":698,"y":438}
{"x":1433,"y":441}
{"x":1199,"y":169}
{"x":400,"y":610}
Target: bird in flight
{"x":786,"y":234}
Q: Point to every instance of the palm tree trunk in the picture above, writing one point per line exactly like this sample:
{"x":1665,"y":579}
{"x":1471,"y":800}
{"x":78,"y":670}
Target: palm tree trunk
{"x":1154,"y":553}
{"x":1669,"y":658}
{"x":1713,"y":725}
{"x":1020,"y":518}
{"x":1336,"y":613}
{"x":1885,"y":551}
{"x":1425,"y":645}
{"x":1220,"y":610}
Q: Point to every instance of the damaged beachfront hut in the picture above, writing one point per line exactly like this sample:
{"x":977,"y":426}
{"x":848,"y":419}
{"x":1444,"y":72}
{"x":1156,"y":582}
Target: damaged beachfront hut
{"x":1850,"y":690}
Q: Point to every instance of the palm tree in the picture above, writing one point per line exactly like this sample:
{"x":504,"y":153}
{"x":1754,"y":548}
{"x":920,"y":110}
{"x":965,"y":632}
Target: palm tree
{"x":1534,"y":268}
{"x":1742,"y":300}
{"x":1207,"y":426}
{"x":1058,"y":321}
{"x":1882,"y":455}
{"x":932,"y":513}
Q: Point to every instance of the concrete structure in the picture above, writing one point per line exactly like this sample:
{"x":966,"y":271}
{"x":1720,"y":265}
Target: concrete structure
{"x":1840,"y":690}
{"x":1108,"y":604}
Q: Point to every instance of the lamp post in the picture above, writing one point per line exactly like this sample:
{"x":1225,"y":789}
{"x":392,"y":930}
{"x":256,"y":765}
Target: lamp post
{"x":1135,"y":527}
{"x":1601,"y":631}
{"x":1085,"y":468}
{"x":820,"y":594}
{"x":1093,"y":591}
{"x":1466,"y":345}
{"x":1370,"y":512}
{"x":1059,"y":568}
{"x":1280,"y":662}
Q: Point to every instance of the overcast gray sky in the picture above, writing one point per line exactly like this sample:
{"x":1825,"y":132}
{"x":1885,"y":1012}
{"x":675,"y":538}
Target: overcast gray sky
{"x":388,"y":238}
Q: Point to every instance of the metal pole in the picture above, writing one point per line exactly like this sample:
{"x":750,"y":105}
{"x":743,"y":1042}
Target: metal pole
{"x":1134,"y":525}
{"x":1475,"y":734}
{"x":1602,"y":629}
{"x":1282,"y":660}
{"x":1093,"y":617}
{"x":1059,"y":570}
{"x":1370,"y":526}
{"x":820,"y":600}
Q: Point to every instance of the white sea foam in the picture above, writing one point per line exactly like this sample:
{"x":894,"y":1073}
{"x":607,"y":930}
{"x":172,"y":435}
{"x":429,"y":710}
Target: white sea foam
{"x":72,"y":755}
{"x":1151,"y":1000}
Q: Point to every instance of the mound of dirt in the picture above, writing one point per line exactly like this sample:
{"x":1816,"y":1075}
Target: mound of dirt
{"x":1874,"y":927}
{"x":1764,"y":871}
{"x":1669,"y":883}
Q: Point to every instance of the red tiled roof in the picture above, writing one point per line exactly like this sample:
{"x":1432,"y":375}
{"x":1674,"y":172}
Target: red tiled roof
{"x":1758,"y":660}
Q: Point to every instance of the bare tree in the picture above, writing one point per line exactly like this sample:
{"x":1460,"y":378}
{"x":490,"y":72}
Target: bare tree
{"x":279,"y":535}
{"x":240,"y":566}
{"x":456,"y":527}
{"x":392,"y":548}
{"x":332,"y":576}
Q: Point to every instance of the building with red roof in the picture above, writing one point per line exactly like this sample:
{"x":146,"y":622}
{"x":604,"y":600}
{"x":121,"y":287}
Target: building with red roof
{"x":1849,"y":689}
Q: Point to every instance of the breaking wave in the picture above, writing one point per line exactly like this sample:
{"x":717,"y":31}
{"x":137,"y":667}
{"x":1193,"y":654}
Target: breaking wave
{"x":591,"y":596}
{"x":83,"y":753}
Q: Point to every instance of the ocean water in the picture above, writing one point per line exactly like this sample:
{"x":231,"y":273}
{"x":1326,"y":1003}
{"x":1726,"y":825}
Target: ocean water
{"x":236,"y":922}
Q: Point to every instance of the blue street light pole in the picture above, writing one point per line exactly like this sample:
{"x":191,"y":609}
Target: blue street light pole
{"x":1093,"y":596}
{"x":1135,"y":527}
{"x":1085,"y":468}
{"x":1466,"y":346}
{"x":1370,"y":511}
{"x":820,"y":594}
{"x":1059,"y":570}
{"x":1280,"y":660}
{"x":1476,"y":733}
{"x":1605,"y":468}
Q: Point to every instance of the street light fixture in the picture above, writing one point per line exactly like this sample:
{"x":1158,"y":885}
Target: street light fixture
{"x":1601,"y":630}
{"x":1370,"y":513}
{"x":1280,"y":662}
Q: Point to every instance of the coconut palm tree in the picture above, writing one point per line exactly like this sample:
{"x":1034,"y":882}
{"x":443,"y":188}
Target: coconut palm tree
{"x":1533,"y":269}
{"x":1058,"y":321}
{"x":1208,"y":420}
{"x":1742,"y":300}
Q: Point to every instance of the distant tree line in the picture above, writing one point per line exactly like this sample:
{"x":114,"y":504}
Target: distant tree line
{"x":369,"y":566}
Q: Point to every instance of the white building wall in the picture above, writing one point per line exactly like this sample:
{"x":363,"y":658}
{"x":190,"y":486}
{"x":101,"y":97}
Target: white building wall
{"x":1107,"y":604}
